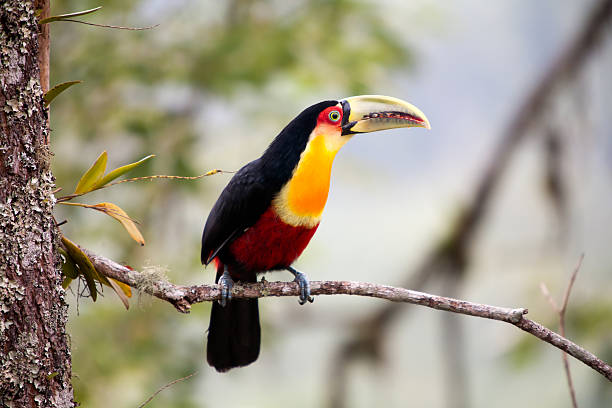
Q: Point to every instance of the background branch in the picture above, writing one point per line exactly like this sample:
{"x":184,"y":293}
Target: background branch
{"x":170,"y":384}
{"x":182,"y":297}
{"x":561,"y":312}
{"x":451,"y":255}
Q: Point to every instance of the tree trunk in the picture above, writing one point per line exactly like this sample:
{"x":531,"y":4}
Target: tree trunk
{"x":35,"y":365}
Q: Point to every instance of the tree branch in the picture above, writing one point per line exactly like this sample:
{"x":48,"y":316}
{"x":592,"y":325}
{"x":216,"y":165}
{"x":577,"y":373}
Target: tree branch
{"x":561,"y":312}
{"x":182,"y":297}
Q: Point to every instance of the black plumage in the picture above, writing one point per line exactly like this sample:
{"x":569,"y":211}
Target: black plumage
{"x":249,"y":193}
{"x":234,"y":332}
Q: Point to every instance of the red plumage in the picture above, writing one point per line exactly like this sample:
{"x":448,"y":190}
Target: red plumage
{"x":270,"y":243}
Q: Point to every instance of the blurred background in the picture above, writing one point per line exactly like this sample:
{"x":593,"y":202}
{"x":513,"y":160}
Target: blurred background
{"x":506,"y":191}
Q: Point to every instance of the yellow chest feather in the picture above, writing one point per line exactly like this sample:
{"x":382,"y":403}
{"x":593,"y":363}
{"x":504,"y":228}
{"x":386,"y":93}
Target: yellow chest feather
{"x":302,"y":200}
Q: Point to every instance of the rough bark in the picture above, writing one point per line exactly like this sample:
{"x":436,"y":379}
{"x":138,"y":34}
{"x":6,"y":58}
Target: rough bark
{"x":35,"y":366}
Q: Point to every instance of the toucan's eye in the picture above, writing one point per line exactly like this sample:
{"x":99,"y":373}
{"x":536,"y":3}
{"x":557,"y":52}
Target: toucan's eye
{"x":334,"y":116}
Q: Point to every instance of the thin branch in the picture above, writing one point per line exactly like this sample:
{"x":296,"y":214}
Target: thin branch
{"x":182,"y":297}
{"x":133,"y":179}
{"x":170,"y":384}
{"x":548,"y":296}
{"x":561,"y":312}
{"x":568,"y":373}
{"x":163,"y":176}
{"x":110,"y":26}
{"x":570,"y":285}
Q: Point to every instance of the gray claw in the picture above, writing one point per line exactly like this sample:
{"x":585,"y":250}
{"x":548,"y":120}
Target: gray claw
{"x":227,"y":283}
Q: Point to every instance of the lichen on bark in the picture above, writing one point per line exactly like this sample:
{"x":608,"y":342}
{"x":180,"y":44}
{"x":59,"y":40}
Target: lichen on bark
{"x":35,"y":367}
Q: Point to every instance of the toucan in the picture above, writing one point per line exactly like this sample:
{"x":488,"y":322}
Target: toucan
{"x":271,"y":208}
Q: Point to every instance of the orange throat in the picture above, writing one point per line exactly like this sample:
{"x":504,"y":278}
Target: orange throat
{"x":301,"y":201}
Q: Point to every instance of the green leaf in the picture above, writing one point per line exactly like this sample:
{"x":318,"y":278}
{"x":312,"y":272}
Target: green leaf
{"x":75,"y":256}
{"x":93,"y":175}
{"x":56,"y":90}
{"x":69,"y":15}
{"x":69,"y":268}
{"x":66,"y":282}
{"x":85,"y":265}
{"x":120,"y":171}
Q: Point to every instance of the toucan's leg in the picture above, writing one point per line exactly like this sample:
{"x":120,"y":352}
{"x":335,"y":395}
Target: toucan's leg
{"x":226,"y":282}
{"x":304,"y":284}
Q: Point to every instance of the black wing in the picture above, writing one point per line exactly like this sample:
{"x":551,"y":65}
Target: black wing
{"x":242,"y":202}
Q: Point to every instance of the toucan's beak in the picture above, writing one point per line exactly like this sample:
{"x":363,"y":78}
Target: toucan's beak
{"x":370,"y":113}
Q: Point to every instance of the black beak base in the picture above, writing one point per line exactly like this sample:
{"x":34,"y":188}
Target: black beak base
{"x":346,"y":125}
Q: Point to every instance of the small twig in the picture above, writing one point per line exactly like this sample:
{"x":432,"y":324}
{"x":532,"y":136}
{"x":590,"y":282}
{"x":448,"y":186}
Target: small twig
{"x":129,"y":180}
{"x":110,"y":26}
{"x":182,"y":297}
{"x":548,"y":296}
{"x":163,"y":176}
{"x":568,"y":374}
{"x":68,"y":197}
{"x":561,"y":312}
{"x":570,"y":285}
{"x":170,"y":384}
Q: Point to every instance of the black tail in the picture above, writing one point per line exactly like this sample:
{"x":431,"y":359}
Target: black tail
{"x":234,"y":333}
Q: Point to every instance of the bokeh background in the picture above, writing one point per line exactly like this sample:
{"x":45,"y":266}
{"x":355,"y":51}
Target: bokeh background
{"x":213,"y":84}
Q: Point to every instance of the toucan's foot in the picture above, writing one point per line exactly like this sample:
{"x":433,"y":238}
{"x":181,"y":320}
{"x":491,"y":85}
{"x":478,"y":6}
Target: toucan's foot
{"x":226,"y":283}
{"x":304,"y":284}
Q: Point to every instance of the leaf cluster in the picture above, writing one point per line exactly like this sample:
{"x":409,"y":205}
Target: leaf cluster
{"x":76,"y":263}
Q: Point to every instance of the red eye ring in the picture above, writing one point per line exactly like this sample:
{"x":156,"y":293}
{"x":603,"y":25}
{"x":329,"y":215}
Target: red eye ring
{"x":334,"y":116}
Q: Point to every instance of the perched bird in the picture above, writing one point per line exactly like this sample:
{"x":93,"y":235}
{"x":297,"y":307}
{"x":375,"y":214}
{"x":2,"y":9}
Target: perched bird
{"x":270,"y":209}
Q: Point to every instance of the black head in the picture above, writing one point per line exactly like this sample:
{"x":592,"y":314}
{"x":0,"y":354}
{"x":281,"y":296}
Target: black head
{"x":284,"y":152}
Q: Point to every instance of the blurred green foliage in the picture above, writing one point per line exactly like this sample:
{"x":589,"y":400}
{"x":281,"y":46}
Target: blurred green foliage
{"x":142,"y":93}
{"x":148,"y":92}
